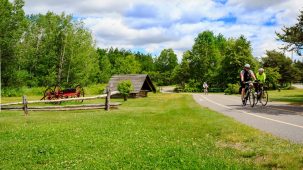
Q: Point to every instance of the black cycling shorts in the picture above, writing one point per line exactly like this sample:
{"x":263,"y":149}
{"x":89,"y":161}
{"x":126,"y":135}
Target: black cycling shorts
{"x":242,"y":85}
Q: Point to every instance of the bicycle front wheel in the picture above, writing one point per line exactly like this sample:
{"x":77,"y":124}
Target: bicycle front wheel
{"x":264,"y":98}
{"x":251,"y":98}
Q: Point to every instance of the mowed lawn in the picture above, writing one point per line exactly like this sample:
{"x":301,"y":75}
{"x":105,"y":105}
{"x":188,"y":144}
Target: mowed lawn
{"x":293,"y":96}
{"x":163,"y":131}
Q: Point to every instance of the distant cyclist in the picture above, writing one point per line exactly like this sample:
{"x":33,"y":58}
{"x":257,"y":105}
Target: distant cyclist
{"x":205,"y":87}
{"x":261,"y":77}
{"x":245,"y":75}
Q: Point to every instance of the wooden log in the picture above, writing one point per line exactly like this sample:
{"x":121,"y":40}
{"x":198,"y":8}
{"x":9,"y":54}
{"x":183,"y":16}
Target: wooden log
{"x":24,"y":102}
{"x":54,"y":107}
{"x":12,"y":108}
{"x":70,"y":109}
{"x":64,"y":109}
{"x":60,"y":100}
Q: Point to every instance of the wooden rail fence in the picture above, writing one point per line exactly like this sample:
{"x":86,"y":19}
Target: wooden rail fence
{"x":25,"y":108}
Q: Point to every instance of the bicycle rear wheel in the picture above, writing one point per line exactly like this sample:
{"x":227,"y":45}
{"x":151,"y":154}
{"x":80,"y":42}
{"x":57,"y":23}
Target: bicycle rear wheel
{"x":244,"y":101}
{"x":257,"y":99}
{"x":264,"y":98}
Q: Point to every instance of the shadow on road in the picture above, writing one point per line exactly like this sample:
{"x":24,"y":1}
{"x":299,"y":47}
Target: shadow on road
{"x":271,"y":109}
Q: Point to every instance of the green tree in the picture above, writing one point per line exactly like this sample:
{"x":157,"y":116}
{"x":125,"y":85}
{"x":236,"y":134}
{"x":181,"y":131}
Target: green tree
{"x":167,"y":61}
{"x":125,"y":87}
{"x":104,"y":66}
{"x":181,"y":73}
{"x":299,"y":66}
{"x":272,"y":76}
{"x":120,"y":61}
{"x":127,"y":65}
{"x":58,"y":50}
{"x":165,"y":65}
{"x":278,"y":60}
{"x":205,"y":59}
{"x":238,"y":53}
{"x":293,"y":36}
{"x":146,"y":62}
{"x":12,"y":26}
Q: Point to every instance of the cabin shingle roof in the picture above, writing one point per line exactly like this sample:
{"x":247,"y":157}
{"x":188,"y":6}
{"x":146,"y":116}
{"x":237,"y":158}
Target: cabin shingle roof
{"x":139,"y":81}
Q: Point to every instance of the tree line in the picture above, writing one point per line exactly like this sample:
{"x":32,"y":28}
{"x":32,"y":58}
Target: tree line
{"x":44,"y":49}
{"x":48,"y":49}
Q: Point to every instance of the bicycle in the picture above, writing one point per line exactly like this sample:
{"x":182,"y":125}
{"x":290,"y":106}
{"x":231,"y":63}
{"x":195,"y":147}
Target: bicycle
{"x":262,"y":95}
{"x":249,"y":94}
{"x":205,"y":91}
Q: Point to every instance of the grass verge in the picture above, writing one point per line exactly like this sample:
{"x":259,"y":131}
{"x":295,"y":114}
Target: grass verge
{"x":163,"y":131}
{"x":292,"y":96}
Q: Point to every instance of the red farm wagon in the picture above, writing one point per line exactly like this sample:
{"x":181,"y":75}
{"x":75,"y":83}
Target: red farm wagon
{"x":58,"y":93}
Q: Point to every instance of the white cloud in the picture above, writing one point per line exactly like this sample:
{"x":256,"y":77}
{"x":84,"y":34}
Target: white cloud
{"x":255,"y":4}
{"x":175,"y":23}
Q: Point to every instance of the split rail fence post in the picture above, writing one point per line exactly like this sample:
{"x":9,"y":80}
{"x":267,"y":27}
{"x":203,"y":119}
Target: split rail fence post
{"x":24,"y":101}
{"x":107,"y":99}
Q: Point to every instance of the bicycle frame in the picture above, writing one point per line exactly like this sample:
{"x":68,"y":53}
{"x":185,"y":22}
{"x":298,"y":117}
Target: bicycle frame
{"x":262,"y":94}
{"x":249,"y":94}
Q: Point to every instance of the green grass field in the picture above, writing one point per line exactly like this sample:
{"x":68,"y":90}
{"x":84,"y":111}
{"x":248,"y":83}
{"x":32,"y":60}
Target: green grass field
{"x":292,"y":96}
{"x":163,"y":131}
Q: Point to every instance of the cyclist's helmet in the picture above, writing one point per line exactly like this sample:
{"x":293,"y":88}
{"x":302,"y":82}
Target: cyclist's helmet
{"x":261,"y":70}
{"x":247,"y":66}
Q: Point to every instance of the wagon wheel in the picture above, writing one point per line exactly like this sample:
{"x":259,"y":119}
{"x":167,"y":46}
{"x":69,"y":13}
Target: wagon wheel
{"x":79,"y":92}
{"x":57,"y":93}
{"x":48,"y":94}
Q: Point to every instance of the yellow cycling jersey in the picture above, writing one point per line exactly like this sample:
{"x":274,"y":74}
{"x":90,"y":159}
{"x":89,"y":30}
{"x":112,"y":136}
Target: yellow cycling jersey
{"x":261,"y":77}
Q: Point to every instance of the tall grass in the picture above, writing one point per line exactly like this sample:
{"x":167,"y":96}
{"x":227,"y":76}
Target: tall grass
{"x":17,"y":92}
{"x":95,"y":89}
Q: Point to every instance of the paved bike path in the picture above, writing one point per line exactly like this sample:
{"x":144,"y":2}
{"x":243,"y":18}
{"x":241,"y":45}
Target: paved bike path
{"x":282,"y":120}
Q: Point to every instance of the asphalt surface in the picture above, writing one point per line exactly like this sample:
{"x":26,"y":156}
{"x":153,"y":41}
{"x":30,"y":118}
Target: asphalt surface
{"x":299,"y":86}
{"x":279,"y":119}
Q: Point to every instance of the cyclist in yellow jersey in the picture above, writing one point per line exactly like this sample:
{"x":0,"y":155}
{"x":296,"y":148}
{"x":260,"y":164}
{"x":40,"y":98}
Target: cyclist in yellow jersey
{"x":261,"y":76}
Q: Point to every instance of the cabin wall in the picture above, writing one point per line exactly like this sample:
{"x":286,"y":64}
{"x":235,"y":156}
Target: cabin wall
{"x":132,"y":95}
{"x":142,"y":94}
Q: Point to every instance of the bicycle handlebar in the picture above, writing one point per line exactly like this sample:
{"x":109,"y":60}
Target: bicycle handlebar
{"x":256,"y":81}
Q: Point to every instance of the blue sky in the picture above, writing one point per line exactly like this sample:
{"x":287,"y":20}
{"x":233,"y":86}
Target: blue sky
{"x":150,"y":26}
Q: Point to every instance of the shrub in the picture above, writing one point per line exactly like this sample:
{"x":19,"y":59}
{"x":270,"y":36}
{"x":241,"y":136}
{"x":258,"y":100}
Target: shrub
{"x":192,"y":86}
{"x":188,"y":88}
{"x":95,"y":89}
{"x":125,"y":87}
{"x":289,"y":87}
{"x":232,"y":89}
{"x":215,"y":90}
{"x":11,"y":92}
